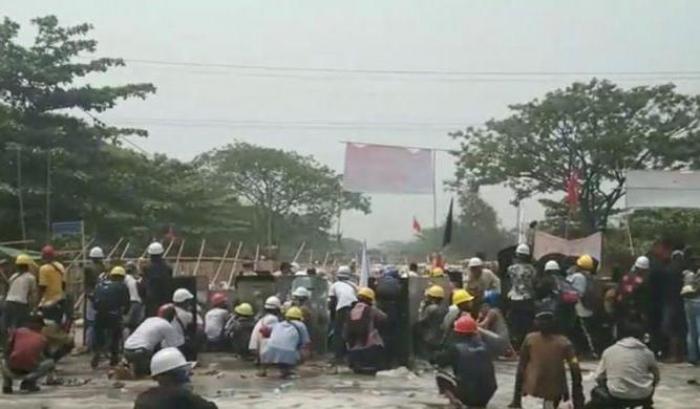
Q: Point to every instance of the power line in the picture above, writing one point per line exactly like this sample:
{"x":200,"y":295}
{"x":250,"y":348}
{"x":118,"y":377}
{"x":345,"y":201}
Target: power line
{"x":431,"y":72}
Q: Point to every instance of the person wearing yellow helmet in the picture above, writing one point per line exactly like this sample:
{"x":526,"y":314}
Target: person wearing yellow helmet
{"x":365,"y":344}
{"x":111,"y":303}
{"x":462,"y":304}
{"x":21,"y":295}
{"x":238,"y":329}
{"x":437,"y":272}
{"x":288,"y":343}
{"x":432,"y":312}
{"x":580,"y":279}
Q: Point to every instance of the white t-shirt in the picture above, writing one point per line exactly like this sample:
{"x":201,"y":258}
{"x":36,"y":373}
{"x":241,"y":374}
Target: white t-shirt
{"x":154,"y":331}
{"x":344,"y":292}
{"x":133,"y":287}
{"x":183,"y":319}
{"x":22,"y":286}
{"x":257,"y":342}
{"x":214,"y":322}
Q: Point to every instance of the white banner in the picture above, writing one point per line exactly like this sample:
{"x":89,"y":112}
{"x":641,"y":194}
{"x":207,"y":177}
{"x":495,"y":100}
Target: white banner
{"x":654,"y":189}
{"x":546,"y":244}
{"x":388,"y":169}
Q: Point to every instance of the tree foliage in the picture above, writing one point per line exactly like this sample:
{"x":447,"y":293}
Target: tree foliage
{"x":595,"y":129}
{"x":288,"y":192}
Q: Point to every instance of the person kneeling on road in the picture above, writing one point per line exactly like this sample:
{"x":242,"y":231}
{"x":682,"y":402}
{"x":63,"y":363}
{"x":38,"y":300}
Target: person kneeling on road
{"x":214,"y":323}
{"x":474,"y":381}
{"x":153,"y":333}
{"x":25,"y":356}
{"x":289,"y":342}
{"x":172,"y":372}
{"x":365,"y":345}
{"x":627,"y":373}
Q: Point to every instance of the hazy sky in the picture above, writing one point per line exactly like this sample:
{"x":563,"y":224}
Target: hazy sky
{"x":198,"y":108}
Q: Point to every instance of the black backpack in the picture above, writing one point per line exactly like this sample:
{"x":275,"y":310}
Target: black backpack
{"x":357,"y":330}
{"x":593,"y":296}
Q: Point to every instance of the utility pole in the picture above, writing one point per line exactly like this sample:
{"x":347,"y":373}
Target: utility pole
{"x":48,"y":195}
{"x":20,"y":199}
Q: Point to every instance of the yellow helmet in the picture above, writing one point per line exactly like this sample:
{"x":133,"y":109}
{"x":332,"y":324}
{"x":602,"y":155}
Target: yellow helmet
{"x":244,"y":309}
{"x":437,"y":272}
{"x":367,"y":293}
{"x":118,"y":271}
{"x":435,"y":291}
{"x":24,"y":260}
{"x":459,"y":296}
{"x":585,"y":262}
{"x":294,"y":313}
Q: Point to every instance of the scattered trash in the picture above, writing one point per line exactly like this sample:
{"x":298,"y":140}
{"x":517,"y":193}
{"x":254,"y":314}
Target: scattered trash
{"x":254,"y":396}
{"x":401,"y":372}
{"x":118,"y":385}
{"x":225,"y":393}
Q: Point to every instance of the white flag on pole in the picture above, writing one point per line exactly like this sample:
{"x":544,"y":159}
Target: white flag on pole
{"x":364,"y":266}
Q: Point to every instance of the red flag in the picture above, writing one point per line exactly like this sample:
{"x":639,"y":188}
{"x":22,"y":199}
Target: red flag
{"x":572,"y":190}
{"x":417,"y":229}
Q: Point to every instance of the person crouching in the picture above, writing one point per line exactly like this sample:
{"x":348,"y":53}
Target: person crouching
{"x":365,"y":345}
{"x":289,"y":341}
{"x":473,"y":382}
{"x":25,"y":356}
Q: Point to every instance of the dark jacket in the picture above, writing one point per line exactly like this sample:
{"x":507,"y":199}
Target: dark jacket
{"x":158,"y":282}
{"x":111,"y":298}
{"x":171,"y":397}
{"x":473,"y":368}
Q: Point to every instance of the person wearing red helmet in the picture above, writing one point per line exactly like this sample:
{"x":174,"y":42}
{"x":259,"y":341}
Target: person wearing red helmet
{"x":472,"y":382}
{"x":215,"y":321}
{"x":52,"y":283}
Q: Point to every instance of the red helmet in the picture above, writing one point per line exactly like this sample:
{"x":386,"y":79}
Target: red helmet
{"x":165,"y":309}
{"x":218,"y":299}
{"x":48,"y":251}
{"x":465,"y":325}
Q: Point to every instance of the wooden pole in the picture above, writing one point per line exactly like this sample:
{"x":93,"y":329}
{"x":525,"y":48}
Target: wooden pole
{"x":126,"y":248}
{"x":221,"y":264}
{"x":257,"y":256}
{"x":167,"y":250}
{"x":114,"y":248}
{"x":325,"y":259}
{"x":301,"y":248}
{"x":235,"y":263}
{"x":199,"y":258}
{"x":179,"y":253}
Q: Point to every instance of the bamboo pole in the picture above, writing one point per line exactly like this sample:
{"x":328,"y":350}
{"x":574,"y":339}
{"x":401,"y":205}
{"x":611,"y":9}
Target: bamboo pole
{"x":257,"y":257}
{"x":221,"y":264}
{"x":126,"y":248}
{"x":301,"y":248}
{"x":199,"y":258}
{"x":235,"y":263}
{"x":114,"y":248}
{"x":167,"y":250}
{"x":325,"y":259}
{"x":179,"y":254}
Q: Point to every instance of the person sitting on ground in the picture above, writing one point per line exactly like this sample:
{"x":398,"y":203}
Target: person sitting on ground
{"x":627,"y":373}
{"x":215,"y":321}
{"x":473,"y":379}
{"x":541,"y":372}
{"x":153,"y":333}
{"x":25,"y":356}
{"x":365,"y":345}
{"x":491,"y":319}
{"x":239,"y":329}
{"x":172,"y":372}
{"x":430,"y":317}
{"x":258,"y":338}
{"x":462,"y":304}
{"x":289,"y":342}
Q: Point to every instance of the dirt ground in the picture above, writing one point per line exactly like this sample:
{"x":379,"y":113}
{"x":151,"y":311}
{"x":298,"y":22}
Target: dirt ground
{"x":233,"y":384}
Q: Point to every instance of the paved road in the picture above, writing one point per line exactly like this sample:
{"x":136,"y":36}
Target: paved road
{"x":233,"y":385}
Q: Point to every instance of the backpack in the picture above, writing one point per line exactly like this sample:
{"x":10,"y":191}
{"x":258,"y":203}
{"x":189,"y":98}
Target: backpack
{"x":357,"y":327}
{"x":567,"y":294}
{"x":108,"y":297}
{"x":592,"y":298}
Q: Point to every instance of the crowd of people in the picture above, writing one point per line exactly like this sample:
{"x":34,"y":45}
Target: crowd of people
{"x":545,"y":316}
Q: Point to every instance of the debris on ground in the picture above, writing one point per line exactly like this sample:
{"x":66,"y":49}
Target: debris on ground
{"x":400,"y":372}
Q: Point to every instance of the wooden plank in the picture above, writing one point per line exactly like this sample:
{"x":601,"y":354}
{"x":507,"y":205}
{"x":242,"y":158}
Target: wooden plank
{"x":199,"y":258}
{"x":221,"y":264}
{"x":235,"y":264}
{"x":179,"y":254}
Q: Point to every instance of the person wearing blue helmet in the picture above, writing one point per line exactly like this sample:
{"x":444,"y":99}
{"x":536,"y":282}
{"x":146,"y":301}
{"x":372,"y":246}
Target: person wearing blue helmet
{"x":491,"y":319}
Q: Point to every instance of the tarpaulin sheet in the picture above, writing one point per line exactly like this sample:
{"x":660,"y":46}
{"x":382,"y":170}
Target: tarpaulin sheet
{"x":388,"y":169}
{"x":546,"y":244}
{"x":659,"y":189}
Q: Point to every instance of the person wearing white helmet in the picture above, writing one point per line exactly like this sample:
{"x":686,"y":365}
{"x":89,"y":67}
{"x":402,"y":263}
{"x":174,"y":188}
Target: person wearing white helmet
{"x":94,"y":271}
{"x":172,"y":372}
{"x":186,"y":320}
{"x":343,"y":294}
{"x":272,"y":312}
{"x":481,"y":279}
{"x":521,"y":295}
{"x":157,"y":279}
{"x":632,"y":292}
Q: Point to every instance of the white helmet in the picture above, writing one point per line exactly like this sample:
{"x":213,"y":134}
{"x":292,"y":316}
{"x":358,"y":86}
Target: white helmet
{"x":642,"y":263}
{"x":522,"y":249}
{"x":551,"y":265}
{"x":301,"y":292}
{"x":301,"y":273}
{"x":96,"y":252}
{"x":294,"y":267}
{"x":155,"y":249}
{"x":344,"y":272}
{"x":475,"y":262}
{"x":182,"y":295}
{"x":166,"y":360}
{"x":273,"y":303}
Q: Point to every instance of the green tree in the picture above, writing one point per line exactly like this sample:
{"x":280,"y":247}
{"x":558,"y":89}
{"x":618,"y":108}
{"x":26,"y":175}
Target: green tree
{"x":290,"y":194}
{"x":41,"y":88}
{"x":597,"y":130}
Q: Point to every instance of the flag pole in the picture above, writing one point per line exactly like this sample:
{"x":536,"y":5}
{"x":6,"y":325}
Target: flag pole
{"x":435,"y":223}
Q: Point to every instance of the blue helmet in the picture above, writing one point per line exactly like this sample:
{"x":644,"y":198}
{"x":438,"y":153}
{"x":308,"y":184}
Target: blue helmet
{"x":492,"y":297}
